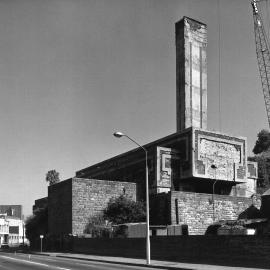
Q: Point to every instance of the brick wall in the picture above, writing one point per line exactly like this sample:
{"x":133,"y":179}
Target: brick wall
{"x":196,"y":209}
{"x":72,"y":202}
{"x":60,"y":207}
{"x":90,"y":197}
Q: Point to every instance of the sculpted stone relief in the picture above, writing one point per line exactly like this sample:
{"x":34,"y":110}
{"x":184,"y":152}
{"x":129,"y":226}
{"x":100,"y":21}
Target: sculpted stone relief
{"x":226,"y":157}
{"x":167,"y":166}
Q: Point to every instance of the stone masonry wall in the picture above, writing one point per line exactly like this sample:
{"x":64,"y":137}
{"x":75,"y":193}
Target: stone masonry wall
{"x":60,"y":207}
{"x":90,"y":197}
{"x":196,"y":209}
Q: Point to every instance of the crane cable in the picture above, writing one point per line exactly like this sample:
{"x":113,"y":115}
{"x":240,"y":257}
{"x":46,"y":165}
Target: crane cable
{"x":267,"y":10}
{"x":219,"y":68}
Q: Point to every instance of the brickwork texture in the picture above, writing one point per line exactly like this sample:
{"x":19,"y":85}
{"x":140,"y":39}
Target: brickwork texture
{"x":197,"y":211}
{"x":91,"y":196}
{"x":72,"y":202}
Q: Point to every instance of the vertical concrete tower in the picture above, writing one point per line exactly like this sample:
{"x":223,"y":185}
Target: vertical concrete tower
{"x":191,"y":74}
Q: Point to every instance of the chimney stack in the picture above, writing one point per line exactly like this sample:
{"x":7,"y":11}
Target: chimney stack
{"x":191,"y":74}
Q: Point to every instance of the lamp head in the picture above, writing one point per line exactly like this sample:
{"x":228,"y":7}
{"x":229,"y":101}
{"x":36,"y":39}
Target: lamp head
{"x":118,"y":134}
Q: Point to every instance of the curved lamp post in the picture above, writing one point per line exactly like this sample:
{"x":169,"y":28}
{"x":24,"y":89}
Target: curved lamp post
{"x":119,"y":135}
{"x":214,"y":167}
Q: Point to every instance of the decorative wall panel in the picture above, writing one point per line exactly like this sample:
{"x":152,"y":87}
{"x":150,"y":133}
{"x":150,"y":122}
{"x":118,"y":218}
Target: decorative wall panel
{"x":219,"y":156}
{"x":252,"y":171}
{"x":168,"y":168}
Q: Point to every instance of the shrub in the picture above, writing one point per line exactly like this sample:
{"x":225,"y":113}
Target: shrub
{"x":124,"y":210}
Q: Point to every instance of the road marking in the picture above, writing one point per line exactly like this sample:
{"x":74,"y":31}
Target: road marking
{"x":31,"y":262}
{"x":20,"y":260}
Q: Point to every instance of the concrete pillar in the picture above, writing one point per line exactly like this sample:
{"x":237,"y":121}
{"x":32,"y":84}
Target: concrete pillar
{"x":191,"y":74}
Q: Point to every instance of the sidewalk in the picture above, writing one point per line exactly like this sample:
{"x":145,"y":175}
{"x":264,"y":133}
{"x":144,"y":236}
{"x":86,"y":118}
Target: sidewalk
{"x":142,"y":262}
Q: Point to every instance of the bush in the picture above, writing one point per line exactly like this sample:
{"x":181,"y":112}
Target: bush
{"x":124,"y":210}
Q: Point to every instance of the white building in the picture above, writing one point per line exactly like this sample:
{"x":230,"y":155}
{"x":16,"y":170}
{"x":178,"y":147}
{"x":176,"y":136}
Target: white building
{"x":12,"y":230}
{"x":4,"y":230}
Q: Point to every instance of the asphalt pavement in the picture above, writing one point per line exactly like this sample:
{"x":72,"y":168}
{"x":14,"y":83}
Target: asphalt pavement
{"x":19,"y":261}
{"x":70,"y":261}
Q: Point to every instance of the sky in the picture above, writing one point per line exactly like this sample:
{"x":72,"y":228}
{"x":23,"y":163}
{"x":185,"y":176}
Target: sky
{"x":74,"y":71}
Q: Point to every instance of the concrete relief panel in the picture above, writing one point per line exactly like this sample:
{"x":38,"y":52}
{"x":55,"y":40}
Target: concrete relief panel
{"x":252,"y":171}
{"x":250,"y":186}
{"x":222,"y":155}
{"x":168,"y":168}
{"x":219,"y":156}
{"x":246,"y":189}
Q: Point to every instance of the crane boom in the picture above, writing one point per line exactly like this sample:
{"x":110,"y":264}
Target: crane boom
{"x":263,"y":55}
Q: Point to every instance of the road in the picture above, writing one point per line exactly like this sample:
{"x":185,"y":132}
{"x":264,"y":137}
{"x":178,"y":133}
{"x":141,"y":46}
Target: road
{"x":19,"y":261}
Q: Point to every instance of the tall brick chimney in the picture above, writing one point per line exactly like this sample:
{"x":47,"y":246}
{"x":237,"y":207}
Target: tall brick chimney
{"x":191,"y":74}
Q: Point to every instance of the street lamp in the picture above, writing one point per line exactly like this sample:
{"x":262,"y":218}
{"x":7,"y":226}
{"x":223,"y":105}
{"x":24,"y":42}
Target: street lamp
{"x":119,"y":135}
{"x":214,"y":167}
{"x":41,"y":237}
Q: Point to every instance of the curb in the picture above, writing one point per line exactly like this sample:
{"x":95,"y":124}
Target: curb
{"x":114,"y":262}
{"x":125,"y":263}
{"x":42,"y":254}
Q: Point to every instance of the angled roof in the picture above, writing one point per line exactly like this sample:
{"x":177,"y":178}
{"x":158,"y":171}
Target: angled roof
{"x":266,"y":193}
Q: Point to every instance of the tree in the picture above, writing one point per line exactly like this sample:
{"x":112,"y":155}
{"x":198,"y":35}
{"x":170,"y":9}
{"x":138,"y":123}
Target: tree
{"x":37,"y":224}
{"x":263,"y":142}
{"x":262,"y":156}
{"x":124,"y":210}
{"x":263,"y":182}
{"x":52,"y":177}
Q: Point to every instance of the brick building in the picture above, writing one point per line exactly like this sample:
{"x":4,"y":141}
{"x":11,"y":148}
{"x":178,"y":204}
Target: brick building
{"x":72,"y":202}
{"x":196,"y":176}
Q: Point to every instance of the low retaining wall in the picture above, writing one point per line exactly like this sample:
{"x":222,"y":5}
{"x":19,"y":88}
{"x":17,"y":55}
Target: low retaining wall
{"x":249,"y":251}
{"x":199,"y":210}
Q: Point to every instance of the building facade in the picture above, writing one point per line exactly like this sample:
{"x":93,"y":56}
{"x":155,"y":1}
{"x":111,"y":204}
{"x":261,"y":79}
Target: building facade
{"x":12,"y":229}
{"x":4,"y":230}
{"x":196,"y":176}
